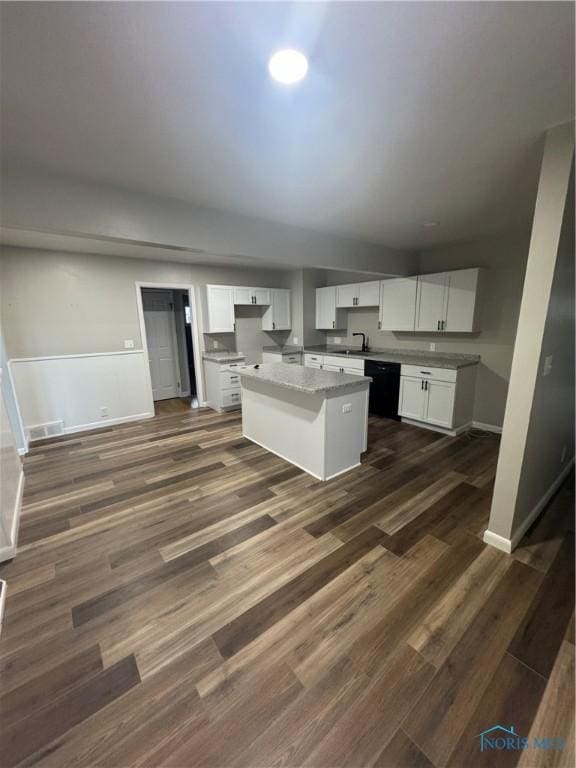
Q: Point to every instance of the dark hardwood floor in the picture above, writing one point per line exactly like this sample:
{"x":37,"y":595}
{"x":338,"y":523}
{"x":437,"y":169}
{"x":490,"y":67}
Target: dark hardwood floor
{"x":181,"y":597}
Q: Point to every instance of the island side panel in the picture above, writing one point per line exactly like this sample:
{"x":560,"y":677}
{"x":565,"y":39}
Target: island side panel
{"x":346,"y":430}
{"x":285,"y":422}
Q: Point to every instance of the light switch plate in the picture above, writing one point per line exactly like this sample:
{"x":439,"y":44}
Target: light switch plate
{"x":347,"y":408}
{"x":547,"y":365}
{"x":128,"y":343}
{"x":296,"y":340}
{"x":432,"y":347}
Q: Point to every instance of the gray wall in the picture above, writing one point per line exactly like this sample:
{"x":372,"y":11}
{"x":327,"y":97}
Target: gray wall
{"x":64,"y":303}
{"x":505,"y":263}
{"x":41,"y":201}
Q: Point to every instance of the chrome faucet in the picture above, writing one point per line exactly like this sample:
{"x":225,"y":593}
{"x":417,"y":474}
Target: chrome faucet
{"x":364,"y":341}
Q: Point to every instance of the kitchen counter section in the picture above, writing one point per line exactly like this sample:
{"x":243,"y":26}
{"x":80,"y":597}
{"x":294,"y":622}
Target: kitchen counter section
{"x":407,"y":357}
{"x":223,"y":357}
{"x":311,"y":381}
{"x":316,"y":420}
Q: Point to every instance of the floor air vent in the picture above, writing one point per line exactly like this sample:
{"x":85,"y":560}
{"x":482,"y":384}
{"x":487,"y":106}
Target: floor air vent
{"x":41,"y":431}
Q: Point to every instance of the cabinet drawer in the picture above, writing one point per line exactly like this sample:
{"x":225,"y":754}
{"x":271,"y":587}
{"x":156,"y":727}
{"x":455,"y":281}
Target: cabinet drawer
{"x":351,"y":364}
{"x":424,"y":372}
{"x":292,"y":358}
{"x":229,"y":380}
{"x":231,"y":366}
{"x":313,"y":360}
{"x":231,"y":397}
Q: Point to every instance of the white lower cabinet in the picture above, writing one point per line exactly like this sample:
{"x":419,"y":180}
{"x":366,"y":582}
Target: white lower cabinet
{"x":439,"y":397}
{"x":222,"y":384}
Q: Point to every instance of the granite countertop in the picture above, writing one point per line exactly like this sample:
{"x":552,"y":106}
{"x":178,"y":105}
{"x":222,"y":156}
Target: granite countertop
{"x":312,"y":381}
{"x":407,"y":357}
{"x":223,"y":357}
{"x":285,"y":350}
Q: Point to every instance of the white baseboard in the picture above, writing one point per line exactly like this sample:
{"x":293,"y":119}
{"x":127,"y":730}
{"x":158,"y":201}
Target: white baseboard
{"x":500,"y":542}
{"x":9,"y":551}
{"x":487,"y":427}
{"x":509,"y":545}
{"x":106,"y":423}
{"x":434,"y":428}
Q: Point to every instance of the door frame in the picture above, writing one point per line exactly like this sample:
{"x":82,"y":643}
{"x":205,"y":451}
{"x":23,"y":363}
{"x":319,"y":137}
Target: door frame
{"x":198,"y":371}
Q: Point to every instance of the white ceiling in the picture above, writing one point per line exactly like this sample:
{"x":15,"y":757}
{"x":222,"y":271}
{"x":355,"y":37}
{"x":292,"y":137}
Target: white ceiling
{"x":412,"y":112}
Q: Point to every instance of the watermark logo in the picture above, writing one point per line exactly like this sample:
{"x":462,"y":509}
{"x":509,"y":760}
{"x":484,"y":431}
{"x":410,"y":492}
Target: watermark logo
{"x":504,"y":738}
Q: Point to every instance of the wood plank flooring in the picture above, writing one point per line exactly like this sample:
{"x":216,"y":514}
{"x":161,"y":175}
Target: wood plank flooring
{"x":183,"y":598}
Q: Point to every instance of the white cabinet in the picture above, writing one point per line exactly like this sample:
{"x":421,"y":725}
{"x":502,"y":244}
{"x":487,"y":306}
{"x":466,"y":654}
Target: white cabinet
{"x":222,"y":384}
{"x":346,"y":296}
{"x":219,"y":309}
{"x":328,"y":317}
{"x":439,"y":397}
{"x":368,"y":294}
{"x":313,"y":361}
{"x":278,"y":315}
{"x":448,"y":301}
{"x":288,"y":358}
{"x":397,"y":304}
{"x":463,"y":301}
{"x":254,"y":296}
{"x":358,"y":295}
{"x":336,"y":363}
{"x":431,"y":302}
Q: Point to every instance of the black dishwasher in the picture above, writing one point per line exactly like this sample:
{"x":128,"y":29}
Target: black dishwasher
{"x":384,"y":389}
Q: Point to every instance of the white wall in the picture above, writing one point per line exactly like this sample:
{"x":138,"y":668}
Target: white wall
{"x":504,"y":259}
{"x":538,"y":438}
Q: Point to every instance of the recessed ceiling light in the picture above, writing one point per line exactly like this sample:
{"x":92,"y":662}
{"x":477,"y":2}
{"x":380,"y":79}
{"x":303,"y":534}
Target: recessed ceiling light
{"x":288,"y":66}
{"x":430,"y":224}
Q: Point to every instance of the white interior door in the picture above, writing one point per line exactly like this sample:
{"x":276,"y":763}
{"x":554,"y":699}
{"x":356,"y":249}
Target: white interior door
{"x":161,"y":339}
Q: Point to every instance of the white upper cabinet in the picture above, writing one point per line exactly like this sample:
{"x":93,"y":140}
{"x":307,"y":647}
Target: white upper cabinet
{"x":448,"y":301}
{"x":368,"y":294}
{"x":327,"y":316}
{"x":346,"y":296}
{"x":254,"y":296}
{"x":358,"y":295}
{"x":278,"y":316}
{"x":462,"y":301}
{"x":398,"y":304}
{"x":219,"y":310}
{"x":431,"y":302}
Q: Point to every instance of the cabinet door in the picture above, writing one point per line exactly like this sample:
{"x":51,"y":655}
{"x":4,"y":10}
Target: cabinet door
{"x":220,"y":306}
{"x":431,"y":301}
{"x":335,"y":368}
{"x":261,"y":296}
{"x":398,"y":304}
{"x":440,"y":403}
{"x":278,"y":316}
{"x":346,"y":295}
{"x":412,"y":399}
{"x":243,"y":295}
{"x":368,"y":294}
{"x":461,"y":300}
{"x":325,"y":308}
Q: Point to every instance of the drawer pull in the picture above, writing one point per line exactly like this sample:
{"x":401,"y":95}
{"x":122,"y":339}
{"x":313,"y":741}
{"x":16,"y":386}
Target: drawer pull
{"x":426,"y":373}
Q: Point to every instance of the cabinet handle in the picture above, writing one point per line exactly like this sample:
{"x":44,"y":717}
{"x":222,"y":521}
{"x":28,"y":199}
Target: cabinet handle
{"x":426,"y":373}
{"x":273,"y":326}
{"x":379,"y":324}
{"x":333,"y":323}
{"x":438,"y":325}
{"x":443,"y":325}
{"x":234,"y":326}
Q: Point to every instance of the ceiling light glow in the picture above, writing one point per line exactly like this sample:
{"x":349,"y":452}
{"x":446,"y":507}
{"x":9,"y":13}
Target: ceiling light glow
{"x":288,"y":66}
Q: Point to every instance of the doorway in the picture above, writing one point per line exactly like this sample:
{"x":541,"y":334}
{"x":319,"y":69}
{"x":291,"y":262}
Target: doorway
{"x":167,"y":320}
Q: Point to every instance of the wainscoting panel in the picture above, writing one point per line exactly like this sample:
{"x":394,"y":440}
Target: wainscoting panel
{"x":82,"y":391}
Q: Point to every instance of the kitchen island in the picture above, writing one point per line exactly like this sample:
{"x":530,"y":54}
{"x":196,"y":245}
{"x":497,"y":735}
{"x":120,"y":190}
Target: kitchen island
{"x":317,"y":420}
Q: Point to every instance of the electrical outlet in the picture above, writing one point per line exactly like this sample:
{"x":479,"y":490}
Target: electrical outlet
{"x":547,"y":365}
{"x":103,"y":410}
{"x":216,"y":344}
{"x":432,"y":347}
{"x":347,"y":408}
{"x":128,"y":343}
{"x":296,"y":340}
